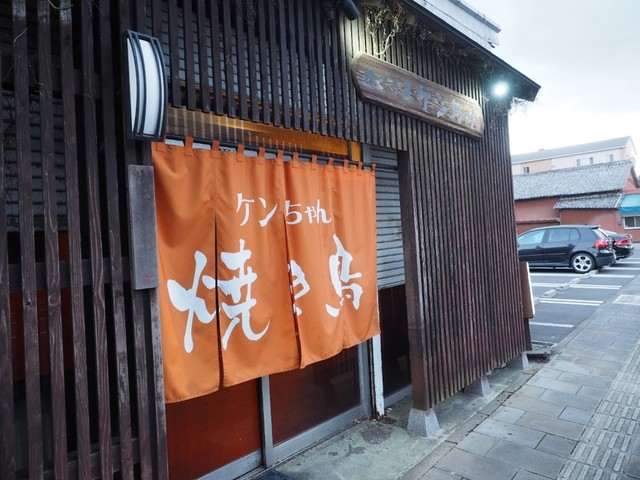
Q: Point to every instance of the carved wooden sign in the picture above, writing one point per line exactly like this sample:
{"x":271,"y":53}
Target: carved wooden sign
{"x":393,"y":87}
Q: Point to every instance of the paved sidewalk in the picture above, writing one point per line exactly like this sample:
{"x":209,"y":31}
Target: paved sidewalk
{"x":576,"y":418}
{"x":573,"y":417}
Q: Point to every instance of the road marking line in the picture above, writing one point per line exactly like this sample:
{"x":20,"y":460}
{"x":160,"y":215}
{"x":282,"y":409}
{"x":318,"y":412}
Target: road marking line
{"x":557,"y":274}
{"x":595,"y":287}
{"x":570,"y":301}
{"x":561,"y":325}
{"x":604,"y":287}
{"x":613,"y":275}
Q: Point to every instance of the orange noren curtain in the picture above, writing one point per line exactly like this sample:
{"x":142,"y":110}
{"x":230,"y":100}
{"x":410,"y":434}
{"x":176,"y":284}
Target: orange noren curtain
{"x":184,"y":180}
{"x":256,"y":318}
{"x":265,"y":265}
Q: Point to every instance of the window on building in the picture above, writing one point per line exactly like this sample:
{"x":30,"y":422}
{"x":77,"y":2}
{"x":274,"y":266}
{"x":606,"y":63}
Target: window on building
{"x":526,"y":169}
{"x":632,"y":222}
{"x":608,"y":157}
{"x":581,"y":162}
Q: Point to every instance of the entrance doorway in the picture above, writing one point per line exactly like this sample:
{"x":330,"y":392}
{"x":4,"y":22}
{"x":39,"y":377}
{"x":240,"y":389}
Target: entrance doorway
{"x":391,"y":276}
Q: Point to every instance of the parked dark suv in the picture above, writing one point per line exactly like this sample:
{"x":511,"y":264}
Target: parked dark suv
{"x":580,"y":247}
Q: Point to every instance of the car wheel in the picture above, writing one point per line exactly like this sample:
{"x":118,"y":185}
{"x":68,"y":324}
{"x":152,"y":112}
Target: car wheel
{"x":582,"y":263}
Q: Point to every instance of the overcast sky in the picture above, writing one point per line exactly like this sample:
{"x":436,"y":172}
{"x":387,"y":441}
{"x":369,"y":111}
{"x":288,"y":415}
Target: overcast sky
{"x":585,"y":55}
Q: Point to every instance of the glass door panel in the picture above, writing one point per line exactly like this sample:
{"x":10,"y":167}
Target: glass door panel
{"x":301,"y":399}
{"x":208,"y":432}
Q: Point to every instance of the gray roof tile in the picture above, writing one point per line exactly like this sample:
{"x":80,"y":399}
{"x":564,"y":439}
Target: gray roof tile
{"x":599,"y":178}
{"x":590,"y":202}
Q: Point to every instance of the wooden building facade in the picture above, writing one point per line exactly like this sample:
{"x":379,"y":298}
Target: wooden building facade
{"x":81,"y":379}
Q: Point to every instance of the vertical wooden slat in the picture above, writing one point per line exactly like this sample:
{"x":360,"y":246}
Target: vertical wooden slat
{"x":174,"y":55}
{"x":187,"y":14}
{"x":7,"y":439}
{"x":95,"y":241}
{"x":285,"y":78}
{"x":27,"y":244}
{"x":321,"y":71}
{"x":263,"y":48}
{"x":443,"y":310}
{"x":218,"y":104}
{"x":145,"y":406}
{"x":203,"y":61}
{"x":242,"y":63}
{"x":305,"y":62}
{"x":54,"y":315}
{"x":336,"y":91}
{"x":350,"y":38}
{"x":228,"y":63}
{"x":72,"y":187}
{"x":253,"y":61}
{"x":358,"y":38}
{"x":345,"y":46}
{"x":339,"y":72}
{"x":156,"y":18}
{"x":112,"y":198}
{"x":329,"y":92}
{"x":157,"y":387}
{"x":294,"y":62}
{"x":276,"y":118}
{"x":438,"y":269}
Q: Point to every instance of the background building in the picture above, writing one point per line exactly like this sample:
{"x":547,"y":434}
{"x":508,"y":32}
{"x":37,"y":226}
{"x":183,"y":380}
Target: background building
{"x":582,"y":195}
{"x":605,"y":151}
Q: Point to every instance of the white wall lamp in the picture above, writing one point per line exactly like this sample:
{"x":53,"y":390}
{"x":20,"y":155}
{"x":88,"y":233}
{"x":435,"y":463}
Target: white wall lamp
{"x":145,"y":89}
{"x":500,"y":89}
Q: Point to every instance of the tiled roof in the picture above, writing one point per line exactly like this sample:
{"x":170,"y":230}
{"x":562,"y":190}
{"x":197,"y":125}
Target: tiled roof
{"x":599,"y":178}
{"x":572,"y":150}
{"x":590,"y":202}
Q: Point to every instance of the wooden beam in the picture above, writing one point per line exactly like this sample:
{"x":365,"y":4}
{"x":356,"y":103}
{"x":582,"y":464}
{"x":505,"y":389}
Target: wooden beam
{"x":183,"y":122}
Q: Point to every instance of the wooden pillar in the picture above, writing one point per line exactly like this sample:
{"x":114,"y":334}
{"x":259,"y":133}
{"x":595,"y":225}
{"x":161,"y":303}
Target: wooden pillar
{"x":422,"y":419}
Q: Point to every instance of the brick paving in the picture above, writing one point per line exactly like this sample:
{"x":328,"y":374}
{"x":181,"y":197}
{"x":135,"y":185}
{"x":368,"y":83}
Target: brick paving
{"x":576,"y":418}
{"x":608,"y":449}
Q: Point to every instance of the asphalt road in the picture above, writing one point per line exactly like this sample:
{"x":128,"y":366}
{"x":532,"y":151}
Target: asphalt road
{"x":567,"y":298}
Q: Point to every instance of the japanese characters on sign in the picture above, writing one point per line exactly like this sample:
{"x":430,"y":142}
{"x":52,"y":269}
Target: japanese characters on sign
{"x":393,"y":87}
{"x":279,"y":274}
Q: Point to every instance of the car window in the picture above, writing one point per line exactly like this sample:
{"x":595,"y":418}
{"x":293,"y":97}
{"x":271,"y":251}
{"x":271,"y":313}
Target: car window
{"x":559,"y":235}
{"x":575,"y":236}
{"x":531,"y":238}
